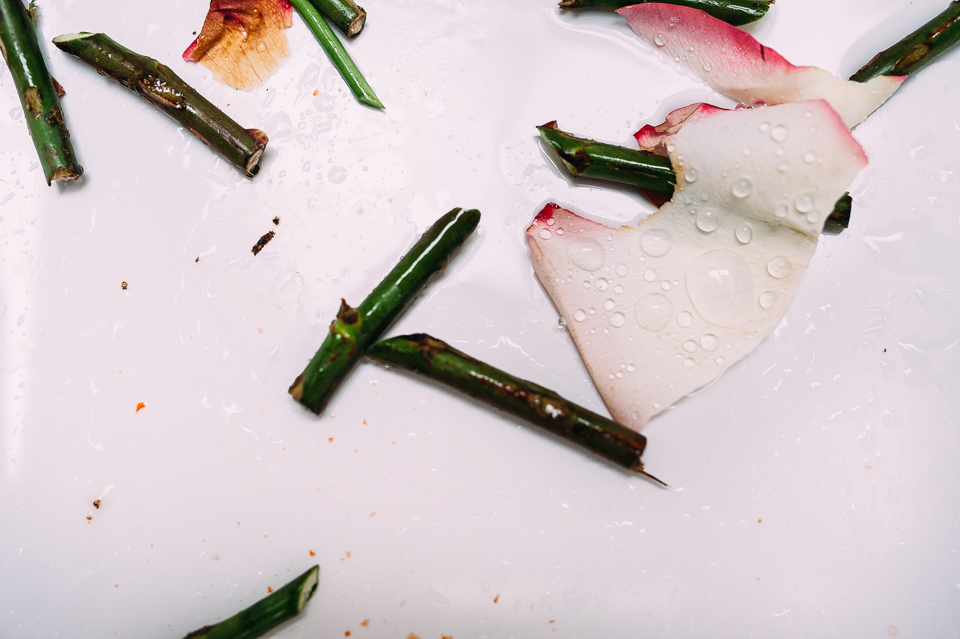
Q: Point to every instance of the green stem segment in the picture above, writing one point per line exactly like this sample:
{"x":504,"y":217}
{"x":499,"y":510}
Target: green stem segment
{"x":266,"y":614}
{"x":916,"y":50}
{"x":346,"y":14}
{"x":338,"y":55}
{"x":439,"y":361}
{"x":651,"y":173}
{"x":355,"y":329}
{"x":161,"y":87}
{"x":38,"y":93}
{"x":735,"y":12}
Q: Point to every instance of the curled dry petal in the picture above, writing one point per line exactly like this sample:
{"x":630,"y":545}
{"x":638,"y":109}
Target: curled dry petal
{"x":735,"y":64}
{"x":662,"y":309}
{"x":243,"y":41}
{"x":653,"y":138}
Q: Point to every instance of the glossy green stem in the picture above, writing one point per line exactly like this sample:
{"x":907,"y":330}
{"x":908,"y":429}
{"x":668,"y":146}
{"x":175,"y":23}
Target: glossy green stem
{"x":161,"y":87}
{"x":338,"y":55}
{"x":735,"y":12}
{"x":38,"y":93}
{"x":346,"y":14}
{"x":266,"y":614}
{"x":645,"y":170}
{"x":427,"y":356}
{"x":916,"y":50}
{"x":354,"y":329}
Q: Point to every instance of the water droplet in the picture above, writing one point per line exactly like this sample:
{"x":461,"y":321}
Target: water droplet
{"x":779,"y":133}
{"x":720,"y":284}
{"x":707,"y":221}
{"x":622,"y":270}
{"x":764,"y":127}
{"x":671,"y":148}
{"x":545,"y":234}
{"x":618,"y":289}
{"x":707,"y":66}
{"x":586,"y":284}
{"x":656,"y":405}
{"x":551,"y":221}
{"x":783,"y":167}
{"x":720,"y":361}
{"x":767,"y":300}
{"x":635,"y":416}
{"x":779,"y":267}
{"x":684,"y":319}
{"x":586,"y":253}
{"x":688,"y":362}
{"x":809,"y":114}
{"x":691,"y":175}
{"x":710,"y":342}
{"x":665,"y":286}
{"x":602,"y":284}
{"x":617,"y":320}
{"x":813,"y":216}
{"x":653,"y":311}
{"x":579,"y":315}
{"x":742,"y":187}
{"x":780,"y":152}
{"x":809,"y":157}
{"x":744,"y":233}
{"x":804,"y":203}
{"x":337,"y":174}
{"x":559,"y":231}
{"x":631,"y":368}
{"x":656,"y":242}
{"x":747,"y":151}
{"x":781,"y":210}
{"x":660,"y":40}
{"x":690,"y":346}
{"x":608,"y":305}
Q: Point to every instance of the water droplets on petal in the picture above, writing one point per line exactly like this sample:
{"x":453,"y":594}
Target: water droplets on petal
{"x":767,"y":300}
{"x":779,"y":267}
{"x":586,"y":253}
{"x":660,"y":40}
{"x":707,"y":221}
{"x":617,"y":320}
{"x":744,"y":233}
{"x":690,"y":346}
{"x":602,"y":283}
{"x":779,"y":133}
{"x":710,"y":342}
{"x":684,"y":319}
{"x":545,"y":234}
{"x":804,"y":203}
{"x":622,"y":270}
{"x":656,"y":242}
{"x":742,"y":187}
{"x":650,"y":274}
{"x":653,"y":311}
{"x":691,"y":175}
{"x":579,"y":315}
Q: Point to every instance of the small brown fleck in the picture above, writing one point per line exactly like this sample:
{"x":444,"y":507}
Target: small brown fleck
{"x":197,"y":260}
{"x":264,"y":239}
{"x":116,"y":585}
{"x":411,"y":635}
{"x":868,"y":467}
{"x":551,"y":621}
{"x":346,"y":633}
{"x":89,"y":517}
{"x":446,"y":637}
{"x":884,"y":350}
{"x":365,"y":623}
{"x":276,"y":220}
{"x":364,"y":422}
{"x":330,"y":439}
{"x":373,"y":514}
{"x":313,"y":554}
{"x":123,"y":285}
{"x":759,"y":520}
{"x":140,"y":405}
{"x":259,"y":329}
{"x":269,"y":589}
{"x":758,"y":578}
{"x":348,"y":554}
{"x":96,"y":504}
{"x":497,"y":598}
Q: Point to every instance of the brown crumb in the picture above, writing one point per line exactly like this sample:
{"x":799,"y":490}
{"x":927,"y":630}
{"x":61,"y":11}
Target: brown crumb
{"x":759,"y":520}
{"x":316,"y":91}
{"x":260,"y":329}
{"x":497,"y":598}
{"x":276,"y":221}
{"x":264,"y":239}
{"x":96,"y":504}
{"x":313,"y":554}
{"x":446,"y":637}
{"x":348,"y":554}
{"x":346,"y":633}
{"x":123,"y":285}
{"x":364,"y":422}
{"x":116,"y":585}
{"x":269,"y":589}
{"x":140,"y":405}
{"x":551,"y":621}
{"x":365,"y":623}
{"x":89,"y":517}
{"x":197,"y":260}
{"x":373,"y":514}
{"x":412,"y":636}
{"x":868,"y":467}
{"x":330,"y":439}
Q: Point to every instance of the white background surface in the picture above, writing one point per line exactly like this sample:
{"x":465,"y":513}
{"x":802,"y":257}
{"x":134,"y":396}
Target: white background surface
{"x":815,"y":486}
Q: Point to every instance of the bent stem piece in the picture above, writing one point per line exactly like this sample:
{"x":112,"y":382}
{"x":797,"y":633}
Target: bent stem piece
{"x":346,"y":14}
{"x":439,"y":361}
{"x":916,"y":50}
{"x":266,"y":614}
{"x":735,"y":12}
{"x":163,"y":88}
{"x":651,"y":173}
{"x":38,"y":93}
{"x":338,"y":55}
{"x":354,"y":329}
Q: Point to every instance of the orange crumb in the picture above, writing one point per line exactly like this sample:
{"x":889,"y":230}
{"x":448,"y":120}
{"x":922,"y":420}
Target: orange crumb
{"x":496,"y":599}
{"x":140,"y":405}
{"x":446,"y":637}
{"x":364,"y":422}
{"x":365,"y":623}
{"x":372,"y":514}
{"x":346,"y":633}
{"x":116,"y":585}
{"x":551,"y":621}
{"x":759,"y":520}
{"x":330,"y":440}
{"x":412,"y":636}
{"x":348,"y":554}
{"x":316,"y":91}
{"x":151,"y":545}
{"x":228,"y":104}
{"x":269,"y":589}
{"x":260,"y":329}
{"x":868,"y":467}
{"x":758,"y":578}
{"x":89,"y":517}
{"x":313,"y":554}
{"x":238,"y":523}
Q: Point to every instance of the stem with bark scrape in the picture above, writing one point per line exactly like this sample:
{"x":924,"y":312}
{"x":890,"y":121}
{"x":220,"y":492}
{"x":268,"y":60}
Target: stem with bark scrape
{"x":346,"y":14}
{"x":735,"y":12}
{"x":428,"y":356}
{"x":651,"y":173}
{"x":266,"y":614}
{"x":163,"y":88}
{"x":916,"y":50}
{"x":354,"y":329}
{"x":338,"y":55}
{"x":39,"y":95}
